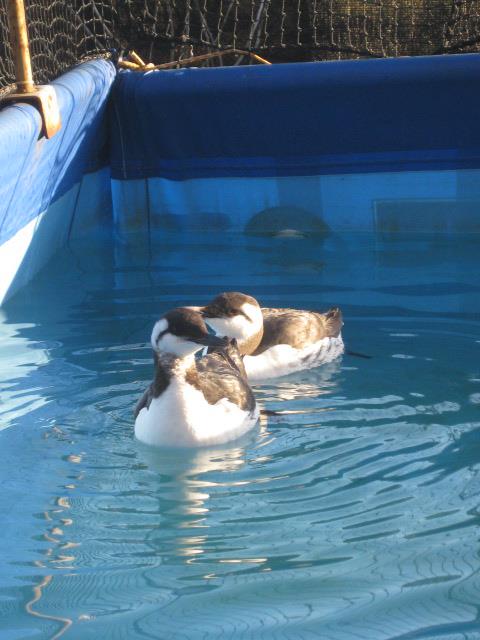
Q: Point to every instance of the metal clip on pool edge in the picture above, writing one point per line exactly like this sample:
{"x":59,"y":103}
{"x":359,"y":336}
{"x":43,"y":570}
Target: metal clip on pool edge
{"x":43,"y":97}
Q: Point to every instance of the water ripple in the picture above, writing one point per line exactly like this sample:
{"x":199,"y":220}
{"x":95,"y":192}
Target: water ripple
{"x":353,"y":514}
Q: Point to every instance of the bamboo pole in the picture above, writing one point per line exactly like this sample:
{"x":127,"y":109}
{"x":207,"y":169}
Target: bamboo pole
{"x":206,"y":56}
{"x":126,"y":64}
{"x":21,"y":51}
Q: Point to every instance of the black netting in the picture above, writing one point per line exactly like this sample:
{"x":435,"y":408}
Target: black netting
{"x":7,"y":69}
{"x":63,"y":32}
{"x":300,"y":29}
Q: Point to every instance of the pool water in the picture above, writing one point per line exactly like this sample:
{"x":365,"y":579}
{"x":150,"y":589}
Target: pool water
{"x":354,"y":515}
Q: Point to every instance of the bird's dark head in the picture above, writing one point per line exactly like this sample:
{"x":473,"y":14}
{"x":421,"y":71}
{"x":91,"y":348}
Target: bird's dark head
{"x":234,"y":314}
{"x":181,"y":332}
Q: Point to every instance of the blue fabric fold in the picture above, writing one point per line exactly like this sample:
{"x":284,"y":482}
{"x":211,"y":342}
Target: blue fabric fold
{"x":34,"y":171}
{"x":297,"y":119}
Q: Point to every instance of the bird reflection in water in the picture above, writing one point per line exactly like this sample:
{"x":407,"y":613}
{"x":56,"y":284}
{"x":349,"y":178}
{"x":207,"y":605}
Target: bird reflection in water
{"x":304,"y":385}
{"x":183,"y":482}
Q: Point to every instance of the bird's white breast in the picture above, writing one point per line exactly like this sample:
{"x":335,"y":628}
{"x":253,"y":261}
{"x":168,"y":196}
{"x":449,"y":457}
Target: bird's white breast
{"x":181,"y":417}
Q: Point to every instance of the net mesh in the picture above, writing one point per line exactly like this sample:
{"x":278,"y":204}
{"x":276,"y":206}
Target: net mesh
{"x":60,"y":34}
{"x":64,"y":32}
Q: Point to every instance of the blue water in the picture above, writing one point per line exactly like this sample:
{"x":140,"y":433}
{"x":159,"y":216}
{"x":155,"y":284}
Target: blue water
{"x":356,"y":515}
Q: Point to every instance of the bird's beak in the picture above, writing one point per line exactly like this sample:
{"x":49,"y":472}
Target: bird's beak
{"x":203,"y":311}
{"x":210,"y":341}
{"x":206,"y":313}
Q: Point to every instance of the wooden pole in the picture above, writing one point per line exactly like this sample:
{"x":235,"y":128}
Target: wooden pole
{"x":44,"y":97}
{"x":21,"y":51}
{"x":186,"y":61}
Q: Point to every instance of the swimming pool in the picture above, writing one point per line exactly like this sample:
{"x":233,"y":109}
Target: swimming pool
{"x":355,"y":515}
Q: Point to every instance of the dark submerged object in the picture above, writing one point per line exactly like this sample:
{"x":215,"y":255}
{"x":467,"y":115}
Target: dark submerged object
{"x":283,"y":221}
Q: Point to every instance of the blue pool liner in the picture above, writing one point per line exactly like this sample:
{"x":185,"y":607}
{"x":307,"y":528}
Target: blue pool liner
{"x":51,"y":190}
{"x":359,"y":116}
{"x":372,"y":145}
{"x":35,"y":171}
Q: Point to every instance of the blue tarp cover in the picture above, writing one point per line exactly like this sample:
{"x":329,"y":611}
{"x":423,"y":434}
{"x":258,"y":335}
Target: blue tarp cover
{"x":298,"y":119}
{"x":35,"y":171}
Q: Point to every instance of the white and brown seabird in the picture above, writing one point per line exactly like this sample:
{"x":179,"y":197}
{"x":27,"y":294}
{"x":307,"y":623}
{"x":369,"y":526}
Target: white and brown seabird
{"x":194,"y":402}
{"x":275,"y":342}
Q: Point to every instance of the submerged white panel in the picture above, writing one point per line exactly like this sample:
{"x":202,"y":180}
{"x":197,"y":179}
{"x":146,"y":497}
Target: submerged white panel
{"x":23,"y":255}
{"x":81,"y":210}
{"x":12,"y":254}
